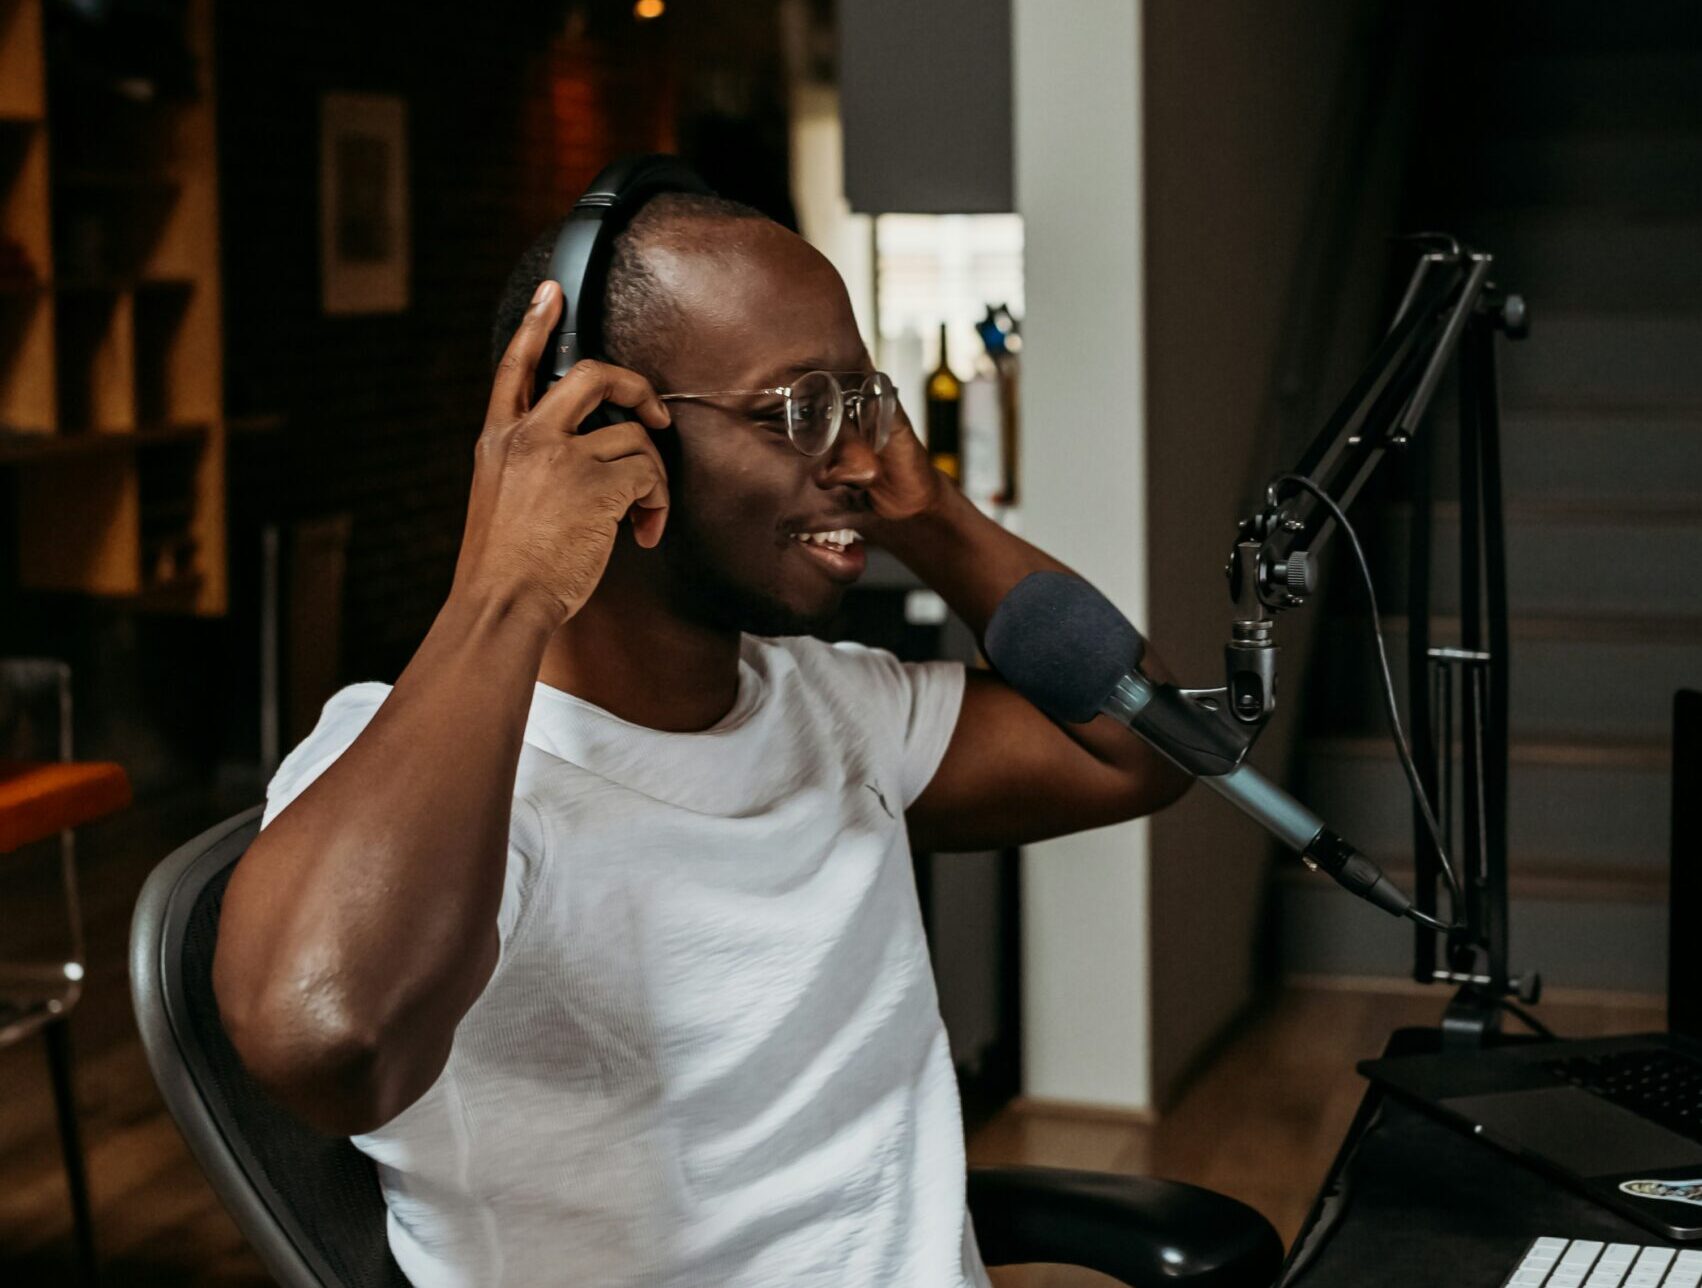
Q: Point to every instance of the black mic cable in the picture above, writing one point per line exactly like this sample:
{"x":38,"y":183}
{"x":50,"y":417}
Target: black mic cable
{"x":1403,"y":749}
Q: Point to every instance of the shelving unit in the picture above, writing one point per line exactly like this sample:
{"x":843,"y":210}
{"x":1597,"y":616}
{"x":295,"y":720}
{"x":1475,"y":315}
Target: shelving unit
{"x":111,"y":367}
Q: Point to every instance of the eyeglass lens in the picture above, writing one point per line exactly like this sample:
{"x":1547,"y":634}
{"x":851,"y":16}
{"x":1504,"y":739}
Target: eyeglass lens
{"x":817,"y":406}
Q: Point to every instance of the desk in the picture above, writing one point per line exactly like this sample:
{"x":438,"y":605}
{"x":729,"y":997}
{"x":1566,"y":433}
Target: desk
{"x":1409,"y":1201}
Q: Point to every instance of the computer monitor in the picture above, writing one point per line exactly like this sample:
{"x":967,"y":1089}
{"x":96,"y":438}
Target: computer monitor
{"x":1684,"y":942}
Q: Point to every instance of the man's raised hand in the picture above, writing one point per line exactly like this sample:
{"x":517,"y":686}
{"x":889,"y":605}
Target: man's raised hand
{"x":547,"y":502}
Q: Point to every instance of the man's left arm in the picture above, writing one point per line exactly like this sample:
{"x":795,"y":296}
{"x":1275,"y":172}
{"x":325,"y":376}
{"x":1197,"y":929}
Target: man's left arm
{"x":1010,"y":773}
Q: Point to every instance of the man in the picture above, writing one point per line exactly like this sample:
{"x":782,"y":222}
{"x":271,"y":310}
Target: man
{"x":598,"y":931}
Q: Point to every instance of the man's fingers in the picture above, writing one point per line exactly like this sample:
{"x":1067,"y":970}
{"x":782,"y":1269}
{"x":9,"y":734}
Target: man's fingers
{"x":643,"y":489}
{"x":647,"y":526}
{"x":608,"y":445}
{"x":624,"y":439}
{"x":511,"y":392}
{"x":638,"y":480}
{"x":590,"y":382}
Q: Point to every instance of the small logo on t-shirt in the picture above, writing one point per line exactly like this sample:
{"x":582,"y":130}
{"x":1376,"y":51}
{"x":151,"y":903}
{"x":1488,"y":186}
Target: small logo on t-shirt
{"x":881,"y":799}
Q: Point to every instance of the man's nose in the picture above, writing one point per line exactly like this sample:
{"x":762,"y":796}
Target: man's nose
{"x":852,"y":462}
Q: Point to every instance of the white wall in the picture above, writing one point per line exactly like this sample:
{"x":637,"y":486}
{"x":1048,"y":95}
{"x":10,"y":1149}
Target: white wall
{"x":1241,"y":104}
{"x":1077,"y":87}
{"x":825,"y":218}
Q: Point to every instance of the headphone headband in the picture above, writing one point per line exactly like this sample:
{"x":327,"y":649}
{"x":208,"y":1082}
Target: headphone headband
{"x":580,"y":261}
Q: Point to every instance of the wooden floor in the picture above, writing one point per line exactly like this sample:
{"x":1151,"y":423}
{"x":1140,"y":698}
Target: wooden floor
{"x":1261,"y":1123}
{"x":156,"y":1222}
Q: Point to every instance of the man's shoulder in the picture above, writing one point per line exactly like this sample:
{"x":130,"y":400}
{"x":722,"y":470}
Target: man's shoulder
{"x":811,"y":654}
{"x":345,"y":714}
{"x":856,"y":681}
{"x":368,"y":696}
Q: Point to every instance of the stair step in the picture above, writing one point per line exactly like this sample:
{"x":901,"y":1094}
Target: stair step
{"x":1574,"y":260}
{"x":1580,"y":805}
{"x":1572,"y":678}
{"x":1532,"y":879}
{"x":1618,"y":944}
{"x":1596,"y":89}
{"x":1579,"y":165}
{"x":1612,"y":455}
{"x":1586,"y":25}
{"x":1604,"y":356}
{"x":1562,"y":559}
{"x":1631,"y":170}
{"x":1552,"y":753}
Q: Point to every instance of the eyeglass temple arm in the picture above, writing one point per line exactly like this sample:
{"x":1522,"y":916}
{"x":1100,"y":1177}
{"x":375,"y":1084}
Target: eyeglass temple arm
{"x":783,"y":390}
{"x":725,"y":393}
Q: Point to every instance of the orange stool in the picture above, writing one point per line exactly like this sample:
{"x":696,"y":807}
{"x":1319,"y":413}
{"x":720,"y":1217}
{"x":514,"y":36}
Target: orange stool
{"x":39,"y":800}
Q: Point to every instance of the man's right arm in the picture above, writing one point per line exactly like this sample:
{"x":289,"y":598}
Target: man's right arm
{"x":361,"y":924}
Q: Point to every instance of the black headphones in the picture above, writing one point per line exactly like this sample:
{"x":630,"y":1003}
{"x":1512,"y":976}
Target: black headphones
{"x":580,"y":261}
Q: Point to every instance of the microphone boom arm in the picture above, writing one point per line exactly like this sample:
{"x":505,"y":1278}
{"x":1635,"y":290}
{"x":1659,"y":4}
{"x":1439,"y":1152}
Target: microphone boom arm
{"x":1450,"y":309}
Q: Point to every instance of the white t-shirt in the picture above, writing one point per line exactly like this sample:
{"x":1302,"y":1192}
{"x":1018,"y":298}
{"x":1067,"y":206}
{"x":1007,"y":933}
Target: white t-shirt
{"x":711,"y":1052}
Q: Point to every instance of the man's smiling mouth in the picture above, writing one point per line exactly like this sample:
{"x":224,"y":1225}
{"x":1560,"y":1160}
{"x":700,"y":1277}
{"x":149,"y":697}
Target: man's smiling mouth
{"x":838,"y":552}
{"x":839,"y":539}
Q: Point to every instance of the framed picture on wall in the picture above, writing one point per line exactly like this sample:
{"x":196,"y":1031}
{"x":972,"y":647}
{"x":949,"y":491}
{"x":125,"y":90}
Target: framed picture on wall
{"x":363,"y":203}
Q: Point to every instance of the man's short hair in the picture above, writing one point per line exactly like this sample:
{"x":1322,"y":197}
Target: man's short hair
{"x":638,"y":317}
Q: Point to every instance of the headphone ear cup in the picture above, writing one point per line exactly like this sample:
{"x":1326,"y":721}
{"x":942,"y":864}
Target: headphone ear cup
{"x":579,"y":261}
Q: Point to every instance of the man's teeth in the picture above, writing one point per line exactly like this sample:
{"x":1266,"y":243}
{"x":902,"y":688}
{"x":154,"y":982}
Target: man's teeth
{"x":841,"y":538}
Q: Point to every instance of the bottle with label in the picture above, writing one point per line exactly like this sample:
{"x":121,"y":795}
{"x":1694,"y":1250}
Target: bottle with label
{"x":945,"y":403}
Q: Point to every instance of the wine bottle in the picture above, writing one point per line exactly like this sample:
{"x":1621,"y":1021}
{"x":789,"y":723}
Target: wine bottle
{"x":945,"y":402}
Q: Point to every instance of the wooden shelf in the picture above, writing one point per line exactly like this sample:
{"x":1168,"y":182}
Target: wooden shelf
{"x":177,"y":596}
{"x":256,"y":424}
{"x":111,"y":365}
{"x":95,"y":350}
{"x":119,"y":181}
{"x":115,"y":285}
{"x":21,"y":447}
{"x":95,"y":285}
{"x":23,"y":80}
{"x":24,"y":197}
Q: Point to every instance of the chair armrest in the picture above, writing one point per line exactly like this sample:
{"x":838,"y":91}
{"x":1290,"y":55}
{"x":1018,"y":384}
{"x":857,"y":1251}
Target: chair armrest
{"x":1136,"y":1229}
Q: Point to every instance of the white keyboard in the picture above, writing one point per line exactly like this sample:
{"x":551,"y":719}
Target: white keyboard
{"x":1585,"y":1263}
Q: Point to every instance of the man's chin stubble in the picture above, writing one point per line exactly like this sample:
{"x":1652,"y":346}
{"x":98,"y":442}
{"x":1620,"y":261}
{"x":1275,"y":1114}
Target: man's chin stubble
{"x":709,"y":597}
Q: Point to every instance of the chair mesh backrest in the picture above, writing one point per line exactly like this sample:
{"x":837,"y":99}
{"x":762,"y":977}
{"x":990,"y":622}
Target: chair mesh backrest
{"x":321,"y":1190}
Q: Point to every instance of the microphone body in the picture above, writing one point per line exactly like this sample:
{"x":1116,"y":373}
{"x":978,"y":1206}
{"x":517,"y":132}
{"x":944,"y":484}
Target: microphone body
{"x":1168,"y":719}
{"x":1065,"y":647}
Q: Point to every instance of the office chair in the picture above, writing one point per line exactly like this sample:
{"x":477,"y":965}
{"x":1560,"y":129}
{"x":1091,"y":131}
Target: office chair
{"x":311,"y":1207}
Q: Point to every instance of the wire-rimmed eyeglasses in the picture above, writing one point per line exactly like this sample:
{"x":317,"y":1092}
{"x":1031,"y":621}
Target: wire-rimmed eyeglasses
{"x":816,"y":406}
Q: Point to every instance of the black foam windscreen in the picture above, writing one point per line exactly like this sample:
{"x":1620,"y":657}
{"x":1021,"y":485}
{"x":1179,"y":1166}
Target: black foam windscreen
{"x":1061,"y":644}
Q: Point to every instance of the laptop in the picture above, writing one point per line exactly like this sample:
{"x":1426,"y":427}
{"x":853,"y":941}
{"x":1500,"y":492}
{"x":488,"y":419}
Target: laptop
{"x":1620,"y":1118}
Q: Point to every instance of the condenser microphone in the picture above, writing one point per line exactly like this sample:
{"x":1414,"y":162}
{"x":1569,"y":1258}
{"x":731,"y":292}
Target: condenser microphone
{"x":1065,"y":647}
